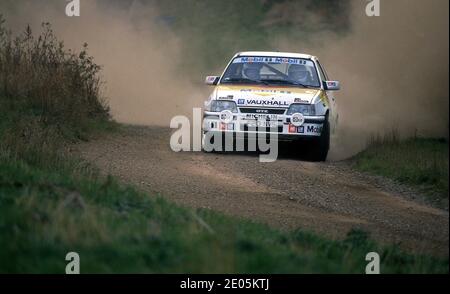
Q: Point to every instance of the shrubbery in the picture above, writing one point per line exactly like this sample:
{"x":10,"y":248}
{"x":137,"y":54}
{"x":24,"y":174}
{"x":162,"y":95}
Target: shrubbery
{"x":48,"y":94}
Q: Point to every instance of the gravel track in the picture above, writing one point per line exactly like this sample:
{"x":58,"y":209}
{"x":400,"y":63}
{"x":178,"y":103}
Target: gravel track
{"x":328,"y":198}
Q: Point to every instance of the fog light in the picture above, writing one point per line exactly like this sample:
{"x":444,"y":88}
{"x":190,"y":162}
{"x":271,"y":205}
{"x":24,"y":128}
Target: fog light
{"x":297,"y":119}
{"x":226,"y":116}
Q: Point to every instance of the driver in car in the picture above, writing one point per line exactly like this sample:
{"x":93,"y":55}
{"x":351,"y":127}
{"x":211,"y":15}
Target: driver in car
{"x":252,"y":71}
{"x":299,"y":73}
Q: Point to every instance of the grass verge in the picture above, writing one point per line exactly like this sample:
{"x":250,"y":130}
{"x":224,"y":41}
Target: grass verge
{"x":417,"y":161}
{"x":116,"y":229}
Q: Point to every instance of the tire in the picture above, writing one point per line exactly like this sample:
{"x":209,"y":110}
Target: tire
{"x":212,"y":142}
{"x":321,"y":146}
{"x":204,"y":143}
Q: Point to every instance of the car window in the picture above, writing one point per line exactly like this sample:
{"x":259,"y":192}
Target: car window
{"x":272,"y":71}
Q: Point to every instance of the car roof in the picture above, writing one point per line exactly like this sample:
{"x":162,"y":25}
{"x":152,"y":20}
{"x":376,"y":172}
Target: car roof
{"x":276,"y":54}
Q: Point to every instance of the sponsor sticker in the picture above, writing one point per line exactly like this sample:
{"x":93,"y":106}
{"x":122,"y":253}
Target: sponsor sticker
{"x":314,"y":129}
{"x":267,"y":102}
{"x":276,"y":60}
{"x":226,"y":127}
{"x":299,"y":100}
{"x":265,"y":91}
{"x":259,"y":116}
{"x":229,"y":97}
{"x":292,"y":128}
{"x":262,"y":124}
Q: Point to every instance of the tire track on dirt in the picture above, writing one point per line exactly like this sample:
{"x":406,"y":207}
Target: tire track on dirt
{"x":288,"y":194}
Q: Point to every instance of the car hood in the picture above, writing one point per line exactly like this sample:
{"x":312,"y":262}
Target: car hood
{"x":264,"y":96}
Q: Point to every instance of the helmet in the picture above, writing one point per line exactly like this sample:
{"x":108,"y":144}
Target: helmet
{"x":298,"y":73}
{"x":252,"y":71}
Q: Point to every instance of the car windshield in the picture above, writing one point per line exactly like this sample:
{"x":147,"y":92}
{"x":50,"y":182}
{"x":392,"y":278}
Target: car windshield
{"x":272,"y":71}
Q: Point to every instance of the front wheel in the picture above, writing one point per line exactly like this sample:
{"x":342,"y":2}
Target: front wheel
{"x":209,"y":146}
{"x":206,"y":146}
{"x":321,"y":146}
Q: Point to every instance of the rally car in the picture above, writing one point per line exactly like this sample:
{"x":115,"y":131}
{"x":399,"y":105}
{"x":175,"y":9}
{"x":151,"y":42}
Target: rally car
{"x":287,"y":94}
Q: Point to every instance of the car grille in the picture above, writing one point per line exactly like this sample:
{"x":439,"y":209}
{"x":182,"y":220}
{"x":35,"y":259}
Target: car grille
{"x":263,"y":110}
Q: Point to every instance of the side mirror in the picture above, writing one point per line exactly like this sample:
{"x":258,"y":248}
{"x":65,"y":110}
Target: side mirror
{"x":332,"y":85}
{"x":212,"y":80}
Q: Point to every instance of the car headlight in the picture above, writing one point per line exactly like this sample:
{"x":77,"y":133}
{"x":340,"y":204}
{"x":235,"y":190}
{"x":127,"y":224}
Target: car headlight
{"x":219,"y":106}
{"x":305,"y":109}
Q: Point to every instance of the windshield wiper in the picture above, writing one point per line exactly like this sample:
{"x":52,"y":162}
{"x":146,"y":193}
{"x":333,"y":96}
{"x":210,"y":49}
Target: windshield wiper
{"x":287,"y":82}
{"x":245,"y":80}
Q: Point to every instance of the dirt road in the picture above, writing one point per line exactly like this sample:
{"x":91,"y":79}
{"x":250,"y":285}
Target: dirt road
{"x":328,"y":198}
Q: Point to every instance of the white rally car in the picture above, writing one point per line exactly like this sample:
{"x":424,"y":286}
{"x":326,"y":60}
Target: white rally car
{"x":288,"y":94}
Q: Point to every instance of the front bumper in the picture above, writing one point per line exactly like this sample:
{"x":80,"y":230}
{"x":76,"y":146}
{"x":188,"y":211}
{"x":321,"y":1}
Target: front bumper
{"x":281,"y":127}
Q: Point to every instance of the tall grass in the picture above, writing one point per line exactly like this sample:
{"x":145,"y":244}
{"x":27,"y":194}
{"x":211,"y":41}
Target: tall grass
{"x":48,"y":95}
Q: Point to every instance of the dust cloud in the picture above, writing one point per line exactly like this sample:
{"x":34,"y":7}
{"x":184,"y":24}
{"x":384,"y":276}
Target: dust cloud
{"x":139,"y":57}
{"x":393,"y":69}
